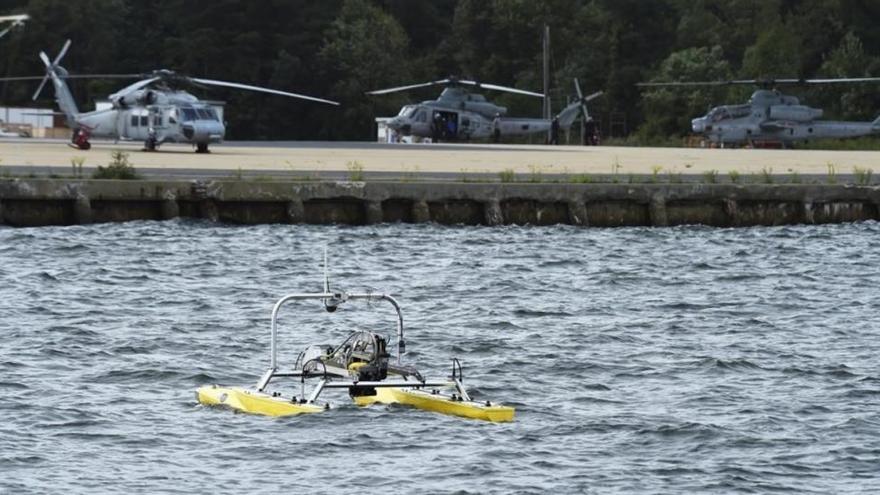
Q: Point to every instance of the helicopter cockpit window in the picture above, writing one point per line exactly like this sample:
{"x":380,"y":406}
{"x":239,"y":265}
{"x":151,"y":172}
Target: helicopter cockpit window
{"x":189,"y":114}
{"x":206,"y":114}
{"x":407,"y":111}
{"x":718,"y":113}
{"x":422,"y":117}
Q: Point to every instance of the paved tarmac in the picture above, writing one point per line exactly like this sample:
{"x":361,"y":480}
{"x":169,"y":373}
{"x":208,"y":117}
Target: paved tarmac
{"x":303,"y":159}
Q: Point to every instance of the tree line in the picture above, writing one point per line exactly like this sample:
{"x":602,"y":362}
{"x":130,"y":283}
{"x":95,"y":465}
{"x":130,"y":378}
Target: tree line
{"x":339,"y":49}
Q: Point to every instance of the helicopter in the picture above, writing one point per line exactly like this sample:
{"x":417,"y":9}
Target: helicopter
{"x":149,"y":110}
{"x":458,"y":114}
{"x":15,"y":20}
{"x":771,"y":117}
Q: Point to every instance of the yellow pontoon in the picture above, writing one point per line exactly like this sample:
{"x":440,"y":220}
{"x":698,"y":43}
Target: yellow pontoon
{"x":361,"y":365}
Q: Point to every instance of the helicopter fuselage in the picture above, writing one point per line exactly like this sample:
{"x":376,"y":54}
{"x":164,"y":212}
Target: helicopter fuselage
{"x":197,"y":124}
{"x":773,"y":117}
{"x":448,"y":123}
{"x":154,"y":117}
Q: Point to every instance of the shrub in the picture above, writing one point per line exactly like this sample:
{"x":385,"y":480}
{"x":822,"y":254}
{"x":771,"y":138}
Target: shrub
{"x":863,"y":175}
{"x":711,"y":176}
{"x":507,"y":175}
{"x":355,"y":171}
{"x":655,"y":171}
{"x":119,"y":168}
{"x":536,"y":173}
{"x":832,"y":173}
{"x":77,"y":164}
{"x":734,"y":176}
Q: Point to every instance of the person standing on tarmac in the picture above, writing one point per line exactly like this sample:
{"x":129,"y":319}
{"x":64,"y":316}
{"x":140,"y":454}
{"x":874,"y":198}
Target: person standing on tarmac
{"x":554,"y":131}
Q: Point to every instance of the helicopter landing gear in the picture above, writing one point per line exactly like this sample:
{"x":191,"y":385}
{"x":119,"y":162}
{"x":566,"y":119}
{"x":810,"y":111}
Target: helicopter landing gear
{"x":80,"y":140}
{"x":150,"y":144}
{"x":202,"y":148}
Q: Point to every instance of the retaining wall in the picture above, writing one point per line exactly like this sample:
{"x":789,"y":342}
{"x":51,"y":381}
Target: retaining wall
{"x":35,"y":202}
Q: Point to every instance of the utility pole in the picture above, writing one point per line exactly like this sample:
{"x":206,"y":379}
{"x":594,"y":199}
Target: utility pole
{"x":547,"y":72}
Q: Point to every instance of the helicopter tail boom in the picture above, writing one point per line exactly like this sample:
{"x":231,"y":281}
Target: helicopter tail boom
{"x":569,"y":114}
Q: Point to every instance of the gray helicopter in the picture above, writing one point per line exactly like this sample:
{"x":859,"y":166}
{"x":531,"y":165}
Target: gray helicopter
{"x":149,"y":110}
{"x":460,"y":115}
{"x":770,"y":117}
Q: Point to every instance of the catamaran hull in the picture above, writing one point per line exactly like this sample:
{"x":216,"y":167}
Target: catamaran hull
{"x":443,"y":404}
{"x":253,"y":402}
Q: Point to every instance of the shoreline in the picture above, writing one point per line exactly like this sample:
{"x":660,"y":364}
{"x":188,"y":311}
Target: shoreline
{"x":42,"y":202}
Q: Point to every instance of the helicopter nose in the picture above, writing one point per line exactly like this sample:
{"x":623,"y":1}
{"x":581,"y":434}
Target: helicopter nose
{"x":399,"y":125}
{"x":204,"y":131}
{"x":395,"y":123}
{"x":699,"y":125}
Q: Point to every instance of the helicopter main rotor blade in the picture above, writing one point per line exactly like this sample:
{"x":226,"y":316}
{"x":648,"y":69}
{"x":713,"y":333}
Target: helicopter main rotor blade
{"x":751,"y":82}
{"x":212,"y":82}
{"x":14,"y":18}
{"x":21,"y":78}
{"x":411,"y":86}
{"x":122,"y":93}
{"x":760,"y":82}
{"x":842,"y":80}
{"x":101,"y":76}
{"x":496,"y":87}
{"x":71,"y":76}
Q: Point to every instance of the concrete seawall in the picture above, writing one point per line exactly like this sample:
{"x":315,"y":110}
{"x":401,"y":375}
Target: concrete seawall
{"x":37,"y":202}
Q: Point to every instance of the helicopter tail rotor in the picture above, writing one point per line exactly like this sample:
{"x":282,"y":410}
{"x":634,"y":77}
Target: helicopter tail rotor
{"x":51,"y":67}
{"x":580,"y":95}
{"x":39,"y":90}
{"x":58,"y":75}
{"x":577,"y":108}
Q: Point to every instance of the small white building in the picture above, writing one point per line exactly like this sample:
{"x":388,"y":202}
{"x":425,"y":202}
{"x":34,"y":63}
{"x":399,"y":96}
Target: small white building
{"x":26,"y":122}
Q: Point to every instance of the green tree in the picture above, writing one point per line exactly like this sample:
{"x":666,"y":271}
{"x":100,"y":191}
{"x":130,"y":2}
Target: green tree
{"x":775,"y":54}
{"x":668,"y":111}
{"x":849,"y":59}
{"x":364,"y":49}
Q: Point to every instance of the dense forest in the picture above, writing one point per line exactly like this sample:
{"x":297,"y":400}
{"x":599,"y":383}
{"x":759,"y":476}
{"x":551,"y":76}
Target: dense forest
{"x":339,"y":49}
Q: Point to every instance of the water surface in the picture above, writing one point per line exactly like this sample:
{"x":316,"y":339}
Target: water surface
{"x":639,"y":360}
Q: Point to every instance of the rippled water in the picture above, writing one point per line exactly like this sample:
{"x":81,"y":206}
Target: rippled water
{"x":655,"y":360}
